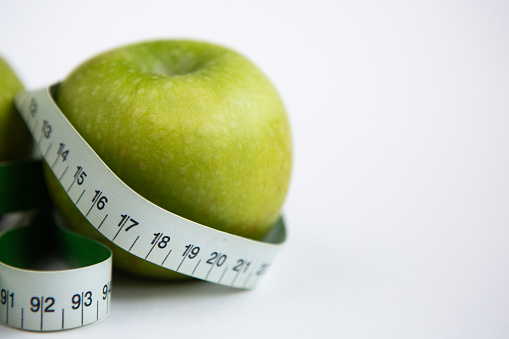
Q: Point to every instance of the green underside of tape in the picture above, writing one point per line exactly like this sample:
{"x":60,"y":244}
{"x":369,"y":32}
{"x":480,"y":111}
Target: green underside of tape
{"x":39,"y":237}
{"x":20,"y":247}
{"x":22,"y":186}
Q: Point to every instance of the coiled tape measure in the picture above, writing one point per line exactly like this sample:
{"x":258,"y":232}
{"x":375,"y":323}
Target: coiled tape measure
{"x":64,"y":299}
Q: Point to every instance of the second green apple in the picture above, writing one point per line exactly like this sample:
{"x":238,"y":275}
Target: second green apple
{"x":15,"y":140}
{"x":194,"y":127}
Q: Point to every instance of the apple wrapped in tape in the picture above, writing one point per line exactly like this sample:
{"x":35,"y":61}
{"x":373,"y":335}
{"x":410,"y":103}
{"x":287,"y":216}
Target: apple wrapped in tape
{"x":194,"y":127}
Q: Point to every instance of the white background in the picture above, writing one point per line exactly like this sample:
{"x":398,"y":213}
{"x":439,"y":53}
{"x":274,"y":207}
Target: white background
{"x":398,"y":212}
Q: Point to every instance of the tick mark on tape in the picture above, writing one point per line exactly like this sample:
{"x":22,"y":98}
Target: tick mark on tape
{"x":235,"y":278}
{"x":165,"y":258}
{"x":70,"y":186}
{"x":181,"y":263}
{"x":81,"y":308}
{"x":47,"y":150}
{"x":155,"y":243}
{"x":199,"y":261}
{"x":80,"y":198}
{"x":130,"y":248}
{"x":207,"y":276}
{"x":39,"y":141}
{"x":60,"y":179}
{"x":33,"y":127}
{"x":42,"y":311}
{"x":103,"y":222}
{"x":245,"y":282}
{"x":222,"y":275}
{"x":7,"y":309}
{"x":120,"y":229}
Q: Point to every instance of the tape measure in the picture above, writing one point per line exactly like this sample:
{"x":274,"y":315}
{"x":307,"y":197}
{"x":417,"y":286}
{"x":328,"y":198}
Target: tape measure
{"x":51,"y":300}
{"x":47,"y":301}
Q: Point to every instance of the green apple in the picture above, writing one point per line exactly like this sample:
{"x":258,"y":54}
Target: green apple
{"x":194,"y":127}
{"x":15,"y":140}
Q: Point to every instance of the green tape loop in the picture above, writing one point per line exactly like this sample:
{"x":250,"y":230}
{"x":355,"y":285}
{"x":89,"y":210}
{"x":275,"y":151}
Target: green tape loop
{"x":51,"y":300}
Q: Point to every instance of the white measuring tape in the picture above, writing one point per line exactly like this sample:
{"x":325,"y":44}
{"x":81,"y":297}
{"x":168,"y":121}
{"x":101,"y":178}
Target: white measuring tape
{"x":126,"y":219}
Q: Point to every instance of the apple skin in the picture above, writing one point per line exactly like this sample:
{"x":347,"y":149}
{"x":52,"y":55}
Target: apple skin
{"x":194,"y":127}
{"x":15,"y":139}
